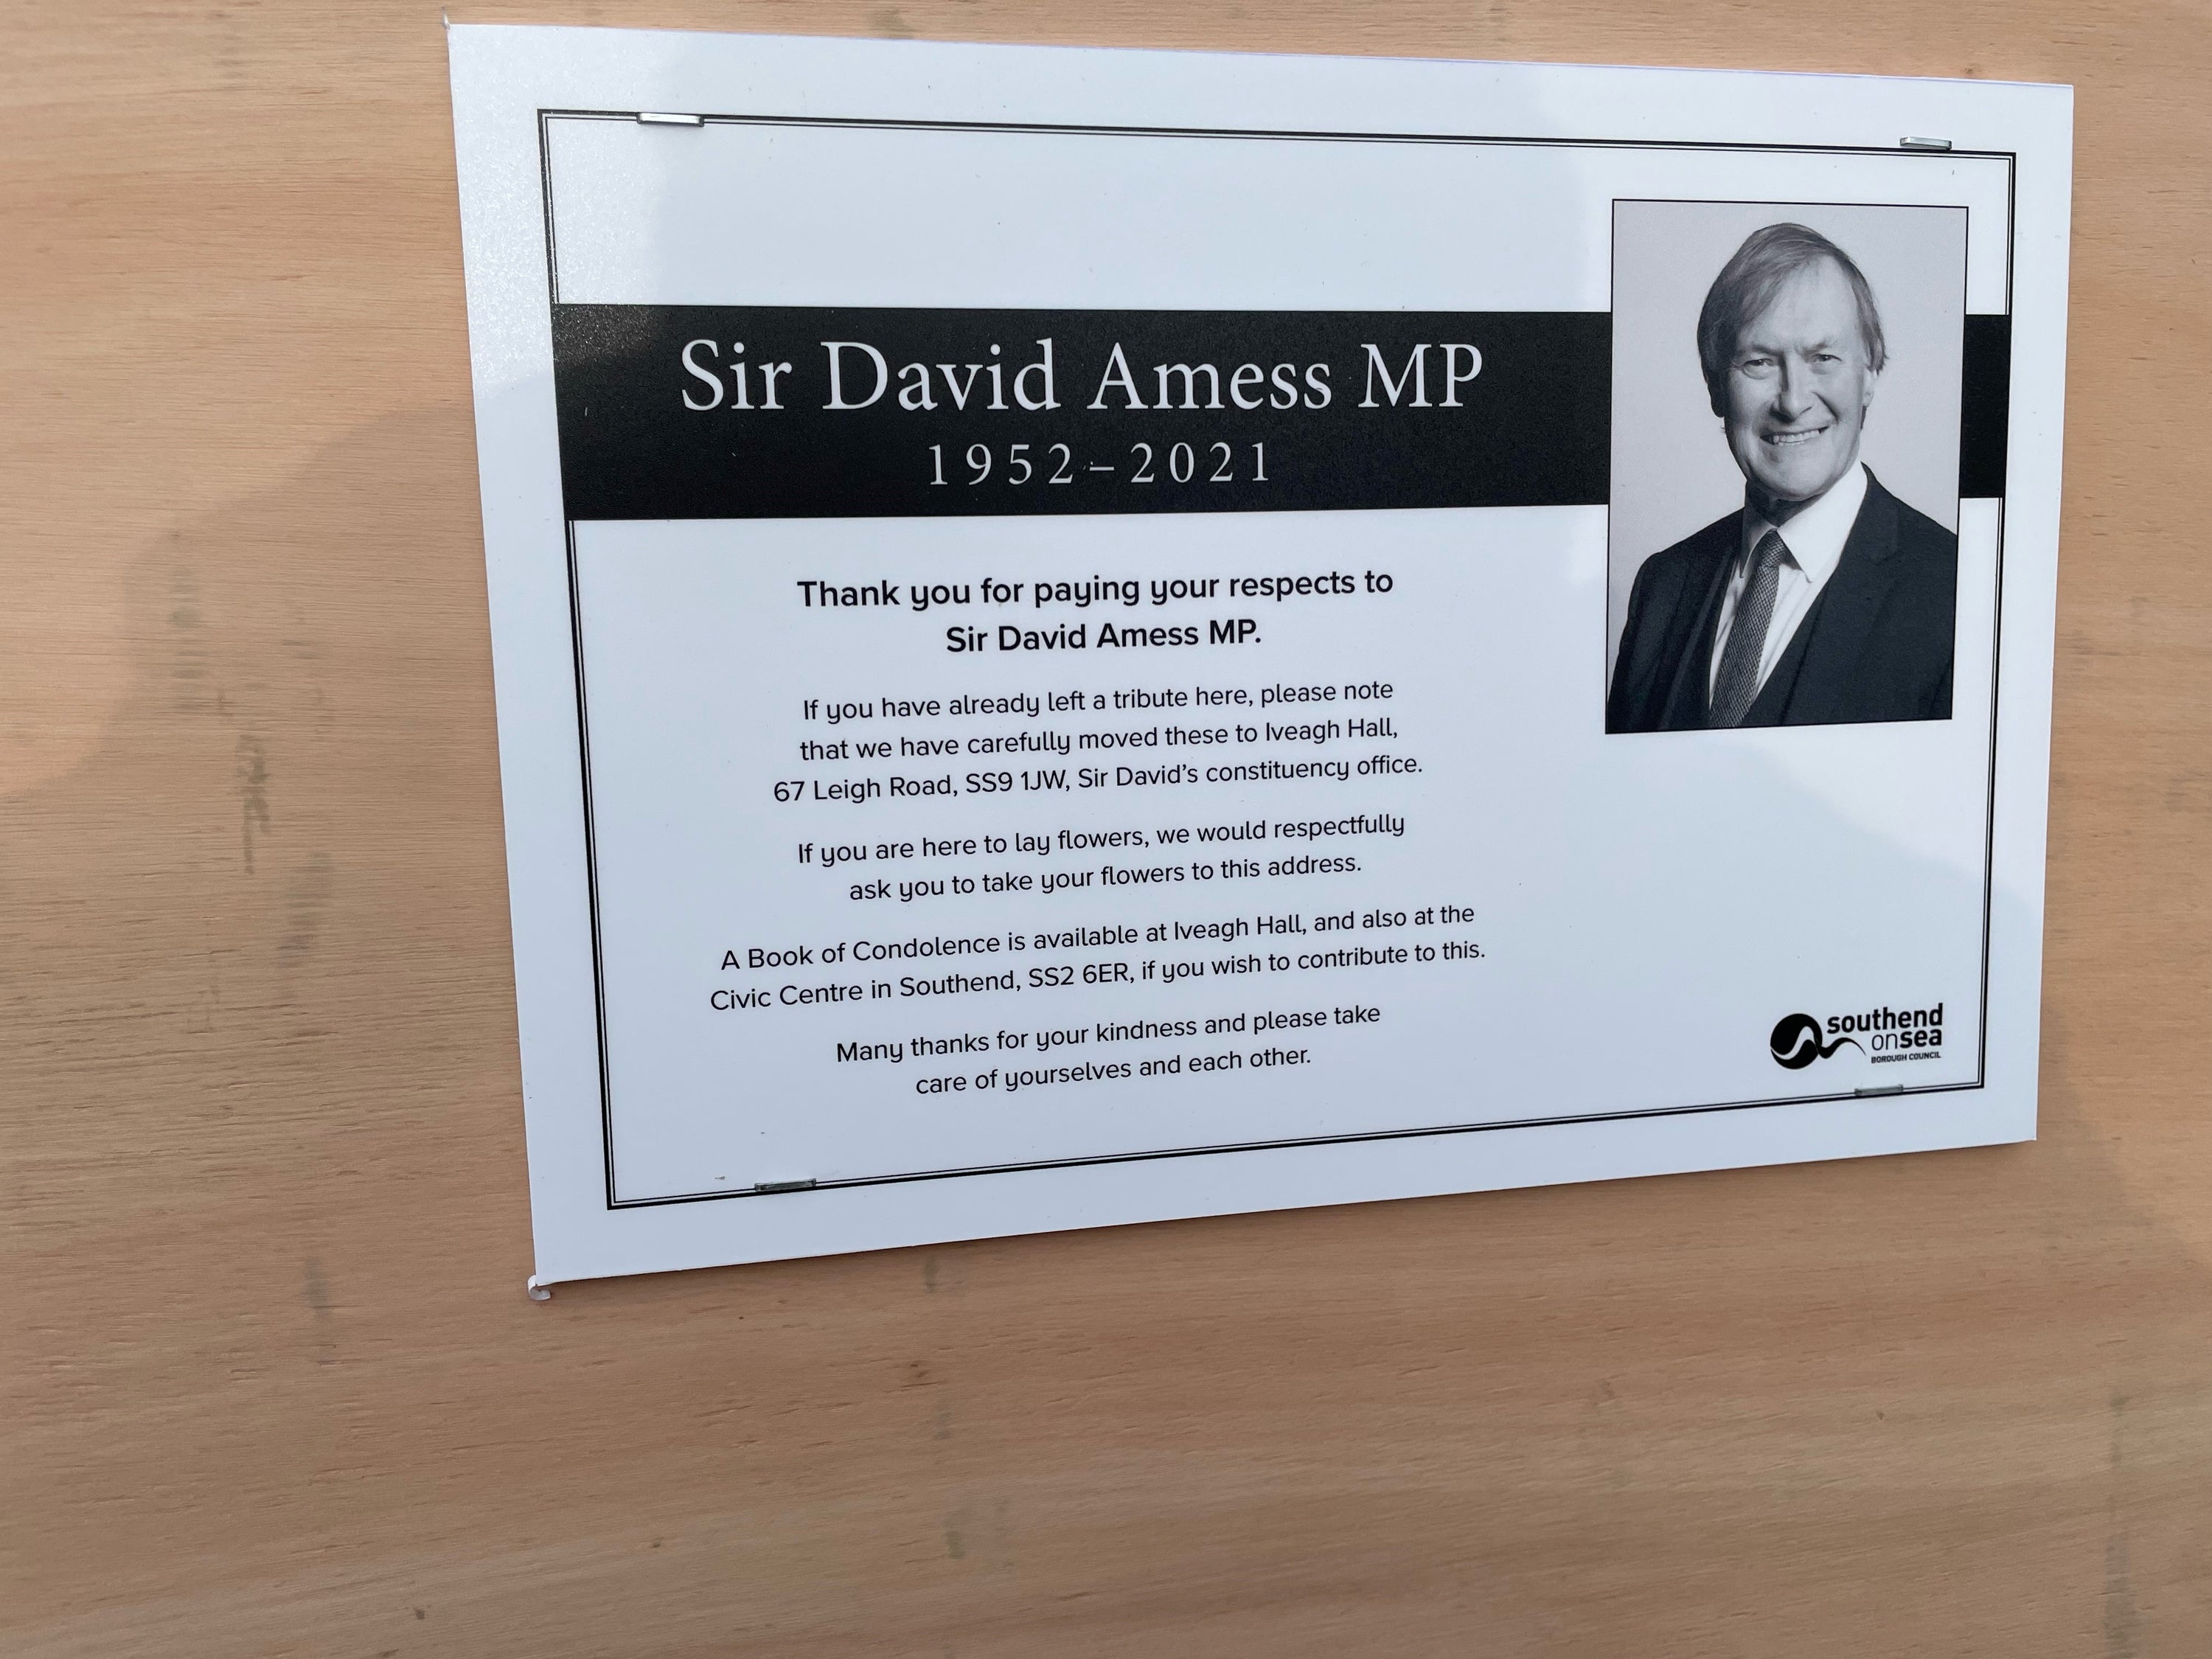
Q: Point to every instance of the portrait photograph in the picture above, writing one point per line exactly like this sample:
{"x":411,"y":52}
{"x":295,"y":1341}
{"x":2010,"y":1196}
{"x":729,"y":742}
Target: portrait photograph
{"x":1782,"y":546}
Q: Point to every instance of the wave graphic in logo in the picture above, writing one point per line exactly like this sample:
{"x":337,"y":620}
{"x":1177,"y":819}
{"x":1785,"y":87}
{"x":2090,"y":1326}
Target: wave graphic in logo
{"x":1795,"y":1042}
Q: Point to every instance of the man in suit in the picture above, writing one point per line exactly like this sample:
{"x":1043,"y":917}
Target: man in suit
{"x":1825,"y":599}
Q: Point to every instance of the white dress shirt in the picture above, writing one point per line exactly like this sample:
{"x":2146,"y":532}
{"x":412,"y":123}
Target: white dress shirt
{"x":1814,"y":537}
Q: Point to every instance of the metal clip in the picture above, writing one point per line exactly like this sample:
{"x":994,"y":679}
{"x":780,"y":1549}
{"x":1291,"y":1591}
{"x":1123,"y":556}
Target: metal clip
{"x":653,"y":117}
{"x":537,"y":1292}
{"x":1924,"y":143}
{"x":805,"y":1185}
{"x":1886,"y":1089}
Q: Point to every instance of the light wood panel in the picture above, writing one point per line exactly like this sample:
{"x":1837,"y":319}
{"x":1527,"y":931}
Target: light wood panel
{"x":270,"y":1383}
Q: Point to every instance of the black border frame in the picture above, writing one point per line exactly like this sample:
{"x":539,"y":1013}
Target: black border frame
{"x":546,"y":116}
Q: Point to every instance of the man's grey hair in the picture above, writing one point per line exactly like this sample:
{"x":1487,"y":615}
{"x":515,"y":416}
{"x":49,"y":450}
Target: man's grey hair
{"x":1747,"y":284}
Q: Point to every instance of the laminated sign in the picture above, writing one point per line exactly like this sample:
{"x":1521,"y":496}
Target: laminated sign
{"x":1088,"y":636}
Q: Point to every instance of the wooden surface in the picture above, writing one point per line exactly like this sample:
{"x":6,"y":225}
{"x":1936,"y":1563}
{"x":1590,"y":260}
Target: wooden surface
{"x":270,"y":1383}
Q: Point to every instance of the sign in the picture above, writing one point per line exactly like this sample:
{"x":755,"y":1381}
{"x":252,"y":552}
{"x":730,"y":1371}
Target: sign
{"x":1084,"y":637}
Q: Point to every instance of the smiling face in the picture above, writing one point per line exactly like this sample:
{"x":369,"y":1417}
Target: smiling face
{"x":1798,"y":387}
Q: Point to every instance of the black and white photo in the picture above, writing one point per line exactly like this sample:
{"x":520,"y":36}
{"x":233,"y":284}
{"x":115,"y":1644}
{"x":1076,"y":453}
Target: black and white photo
{"x":1826,"y":593}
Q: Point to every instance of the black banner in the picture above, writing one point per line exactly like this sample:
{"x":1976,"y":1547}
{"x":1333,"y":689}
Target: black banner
{"x":970,"y":413}
{"x":1985,"y":406}
{"x":714,"y":412}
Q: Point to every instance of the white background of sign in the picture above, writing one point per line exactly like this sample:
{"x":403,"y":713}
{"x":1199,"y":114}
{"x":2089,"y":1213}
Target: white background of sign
{"x":1582,"y":1000}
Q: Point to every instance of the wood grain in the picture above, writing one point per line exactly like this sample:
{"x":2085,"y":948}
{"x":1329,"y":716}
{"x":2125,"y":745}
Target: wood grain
{"x":270,"y":1383}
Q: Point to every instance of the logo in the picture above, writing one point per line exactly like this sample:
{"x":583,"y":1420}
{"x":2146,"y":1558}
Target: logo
{"x":1795,"y":1042}
{"x":1892,"y":1034}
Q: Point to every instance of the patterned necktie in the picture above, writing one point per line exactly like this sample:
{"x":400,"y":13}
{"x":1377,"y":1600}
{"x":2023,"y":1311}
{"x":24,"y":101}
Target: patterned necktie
{"x":1735,"y":688}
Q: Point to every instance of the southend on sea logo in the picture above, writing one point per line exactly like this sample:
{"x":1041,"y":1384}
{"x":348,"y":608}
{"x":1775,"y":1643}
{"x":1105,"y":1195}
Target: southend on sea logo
{"x":1891,"y":1033}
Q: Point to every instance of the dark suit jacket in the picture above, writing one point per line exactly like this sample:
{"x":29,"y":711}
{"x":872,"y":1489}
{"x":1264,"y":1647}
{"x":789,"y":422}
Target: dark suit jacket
{"x":1876,"y":644}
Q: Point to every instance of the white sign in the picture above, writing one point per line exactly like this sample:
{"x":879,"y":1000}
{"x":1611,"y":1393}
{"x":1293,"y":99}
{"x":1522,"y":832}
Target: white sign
{"x":1084,"y":637}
